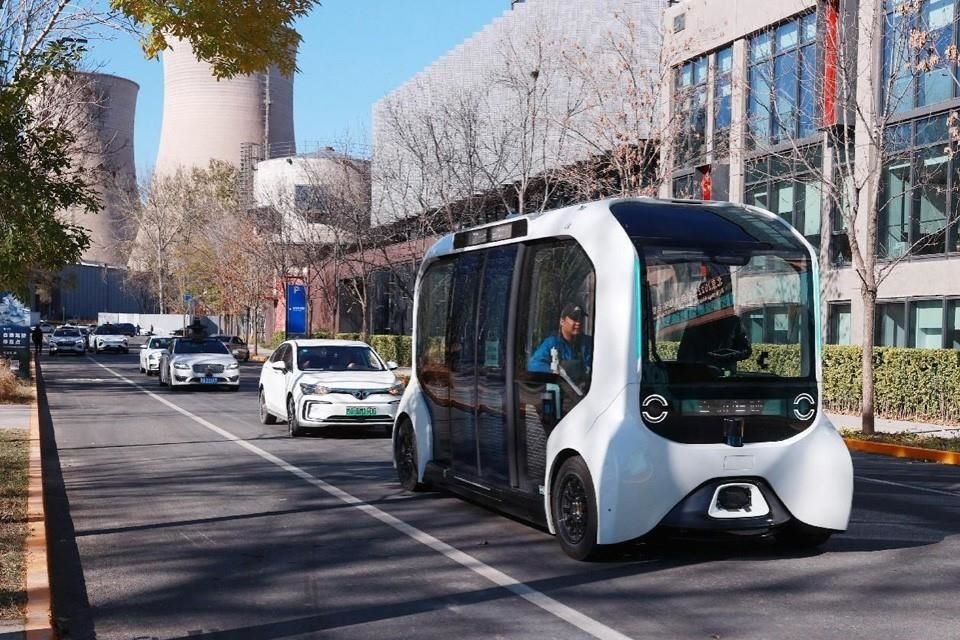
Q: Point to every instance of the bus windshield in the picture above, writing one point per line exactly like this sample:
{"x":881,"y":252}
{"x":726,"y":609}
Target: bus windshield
{"x":727,"y":314}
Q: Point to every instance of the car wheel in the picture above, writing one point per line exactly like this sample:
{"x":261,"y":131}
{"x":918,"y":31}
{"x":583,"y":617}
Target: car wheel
{"x":800,"y":536}
{"x":160,"y":378}
{"x":293,"y":425}
{"x":405,"y":456}
{"x":265,"y":416}
{"x":574,"y":510}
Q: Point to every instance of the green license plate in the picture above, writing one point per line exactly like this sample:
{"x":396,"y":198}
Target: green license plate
{"x":361,"y":411}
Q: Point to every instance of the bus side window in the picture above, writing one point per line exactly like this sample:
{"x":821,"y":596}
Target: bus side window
{"x":555,"y":328}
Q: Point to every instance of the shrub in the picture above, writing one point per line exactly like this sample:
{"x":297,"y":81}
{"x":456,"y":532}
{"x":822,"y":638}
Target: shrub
{"x":11,"y":388}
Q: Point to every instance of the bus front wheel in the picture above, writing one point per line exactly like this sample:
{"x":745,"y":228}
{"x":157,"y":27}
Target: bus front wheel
{"x":574,"y":507}
{"x":405,"y":454}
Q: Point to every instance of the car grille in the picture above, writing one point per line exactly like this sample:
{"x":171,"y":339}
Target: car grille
{"x":361,"y":394}
{"x":208,"y":368}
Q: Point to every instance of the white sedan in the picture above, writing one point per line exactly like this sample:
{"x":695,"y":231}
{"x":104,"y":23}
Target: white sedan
{"x":150,"y":354}
{"x":321,"y":383}
{"x":199,"y":362}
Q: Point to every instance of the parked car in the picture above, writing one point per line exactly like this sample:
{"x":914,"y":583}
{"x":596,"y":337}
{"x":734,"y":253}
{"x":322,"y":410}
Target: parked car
{"x":321,"y":383}
{"x":126,"y":329}
{"x":107,"y":337}
{"x":236,"y":345}
{"x":67,"y":340}
{"x":202,"y":362}
{"x":151,"y":353}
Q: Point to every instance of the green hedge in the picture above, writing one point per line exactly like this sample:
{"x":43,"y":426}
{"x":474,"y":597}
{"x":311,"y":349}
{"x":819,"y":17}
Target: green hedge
{"x":909,"y":384}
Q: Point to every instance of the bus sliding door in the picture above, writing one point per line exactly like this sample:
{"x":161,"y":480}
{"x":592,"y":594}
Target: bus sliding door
{"x":462,"y":353}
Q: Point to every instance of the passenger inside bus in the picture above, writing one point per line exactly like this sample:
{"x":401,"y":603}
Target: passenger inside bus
{"x":569,"y":349}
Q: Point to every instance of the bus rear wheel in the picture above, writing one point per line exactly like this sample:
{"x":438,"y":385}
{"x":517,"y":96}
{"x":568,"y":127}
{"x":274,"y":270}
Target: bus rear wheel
{"x":405,"y":455}
{"x":574,"y":509}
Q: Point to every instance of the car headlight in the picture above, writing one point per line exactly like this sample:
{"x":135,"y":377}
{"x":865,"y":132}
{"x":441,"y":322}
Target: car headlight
{"x":396,"y":389}
{"x":234,"y":365}
{"x":78,"y":343}
{"x":153,"y":356}
{"x":313,"y":389}
{"x":180,"y":365}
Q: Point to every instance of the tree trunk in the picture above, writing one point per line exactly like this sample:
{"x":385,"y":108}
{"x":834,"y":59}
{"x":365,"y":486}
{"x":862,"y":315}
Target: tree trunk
{"x":869,"y":298}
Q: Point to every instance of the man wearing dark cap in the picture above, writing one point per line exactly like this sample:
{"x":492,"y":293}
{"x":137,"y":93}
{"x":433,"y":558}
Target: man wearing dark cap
{"x":568,"y":344}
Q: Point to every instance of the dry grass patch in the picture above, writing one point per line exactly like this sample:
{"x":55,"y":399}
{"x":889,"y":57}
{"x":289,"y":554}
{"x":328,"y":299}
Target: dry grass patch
{"x":14,"y":452}
{"x":12,"y":389}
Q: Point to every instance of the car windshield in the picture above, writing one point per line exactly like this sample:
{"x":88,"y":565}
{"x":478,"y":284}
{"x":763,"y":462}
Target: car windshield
{"x":742,"y":314}
{"x":200,"y":346}
{"x":335,"y":358}
{"x":67,"y":333}
{"x":159,"y":343}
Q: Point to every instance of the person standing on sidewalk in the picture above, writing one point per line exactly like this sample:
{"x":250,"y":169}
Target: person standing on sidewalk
{"x":37,"y":335}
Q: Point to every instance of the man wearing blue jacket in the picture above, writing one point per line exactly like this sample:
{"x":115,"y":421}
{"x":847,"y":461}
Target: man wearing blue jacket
{"x":569,"y":344}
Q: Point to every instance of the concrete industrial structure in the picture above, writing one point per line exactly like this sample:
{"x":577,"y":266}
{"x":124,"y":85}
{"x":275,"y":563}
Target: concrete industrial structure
{"x":751,"y":72}
{"x":102,"y":117}
{"x":536,"y":61}
{"x":205,"y":118}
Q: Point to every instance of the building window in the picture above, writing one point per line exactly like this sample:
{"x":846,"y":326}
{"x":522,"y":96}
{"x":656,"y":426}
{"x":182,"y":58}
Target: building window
{"x":722,"y":102}
{"x":690,"y":111}
{"x":696,"y":185}
{"x":918,"y":190}
{"x":782,"y":78}
{"x":891,"y":325}
{"x":789,"y":188}
{"x":838,"y":315}
{"x":922,"y":324}
{"x":916,"y":71}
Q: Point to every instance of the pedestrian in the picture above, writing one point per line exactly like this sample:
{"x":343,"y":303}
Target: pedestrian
{"x":37,"y":335}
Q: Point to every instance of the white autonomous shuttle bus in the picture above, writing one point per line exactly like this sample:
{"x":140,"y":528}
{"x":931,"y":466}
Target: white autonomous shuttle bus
{"x":613,"y":368}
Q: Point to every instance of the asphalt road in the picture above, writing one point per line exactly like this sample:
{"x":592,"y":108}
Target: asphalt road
{"x":179,"y":515}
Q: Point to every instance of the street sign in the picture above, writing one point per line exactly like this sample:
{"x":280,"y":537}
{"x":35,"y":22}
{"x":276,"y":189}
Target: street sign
{"x":15,"y":347}
{"x":296,"y":310}
{"x":187,"y":297}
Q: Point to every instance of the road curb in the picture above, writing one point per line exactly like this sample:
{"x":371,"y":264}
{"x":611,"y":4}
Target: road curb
{"x":901,"y":451}
{"x":38,"y":619}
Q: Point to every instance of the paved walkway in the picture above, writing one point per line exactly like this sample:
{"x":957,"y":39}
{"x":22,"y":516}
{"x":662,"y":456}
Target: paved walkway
{"x":16,"y":416}
{"x":893,"y":426}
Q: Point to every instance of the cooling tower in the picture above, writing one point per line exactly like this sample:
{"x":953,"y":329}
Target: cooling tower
{"x":206,"y":118}
{"x":100,"y":111}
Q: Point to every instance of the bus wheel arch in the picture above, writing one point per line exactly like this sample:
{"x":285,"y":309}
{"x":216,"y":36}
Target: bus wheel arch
{"x":574,"y":514}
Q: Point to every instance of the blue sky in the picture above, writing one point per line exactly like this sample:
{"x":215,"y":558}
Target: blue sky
{"x":353,"y":53}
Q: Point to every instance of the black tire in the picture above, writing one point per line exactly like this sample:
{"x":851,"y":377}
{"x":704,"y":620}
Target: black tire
{"x":800,"y":536}
{"x":293,"y":425}
{"x":574,"y":508}
{"x":405,"y":456}
{"x":265,"y":416}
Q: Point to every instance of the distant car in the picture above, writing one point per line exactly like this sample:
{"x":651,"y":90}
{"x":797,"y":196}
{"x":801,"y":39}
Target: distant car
{"x":202,"y":362}
{"x":67,"y":340}
{"x":46,"y":327}
{"x":145,"y":331}
{"x":151,"y":353}
{"x":126,"y":329}
{"x":321,"y":383}
{"x":107,"y":337}
{"x":236,"y":345}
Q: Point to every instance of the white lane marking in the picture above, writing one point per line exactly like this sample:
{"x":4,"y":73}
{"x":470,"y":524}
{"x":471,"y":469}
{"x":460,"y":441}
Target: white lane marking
{"x":572,"y":616}
{"x":903,"y":485}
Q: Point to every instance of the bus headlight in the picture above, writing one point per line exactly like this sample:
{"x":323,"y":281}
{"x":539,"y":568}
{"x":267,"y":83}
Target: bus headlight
{"x":313,"y":389}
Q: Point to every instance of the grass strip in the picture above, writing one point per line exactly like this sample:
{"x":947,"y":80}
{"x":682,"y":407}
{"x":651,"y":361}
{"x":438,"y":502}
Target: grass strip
{"x":906,"y":439}
{"x":14,"y":452}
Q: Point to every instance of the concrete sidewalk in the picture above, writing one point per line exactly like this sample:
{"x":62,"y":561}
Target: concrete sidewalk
{"x":16,"y":416}
{"x":885,"y":425}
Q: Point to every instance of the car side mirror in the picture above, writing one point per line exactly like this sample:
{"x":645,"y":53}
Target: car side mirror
{"x":392,"y":365}
{"x":279,"y":365}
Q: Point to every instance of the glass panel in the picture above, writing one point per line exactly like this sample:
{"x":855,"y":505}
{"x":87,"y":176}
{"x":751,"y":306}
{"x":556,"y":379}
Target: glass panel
{"x":808,"y":92}
{"x":893,"y":223}
{"x":686,"y":75}
{"x":840,"y":324}
{"x":700,"y":70}
{"x":809,"y":27}
{"x":927,"y":322}
{"x":783,"y":198}
{"x":840,"y":253}
{"x":811,"y":211}
{"x":953,"y":322}
{"x":787,"y":36}
{"x":932,"y":130}
{"x":757,"y":196}
{"x":786,"y":100}
{"x":760,"y":104}
{"x":760,"y":47}
{"x":725,"y":60}
{"x":930,"y":231}
{"x":897,"y":80}
{"x":890,"y":322}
